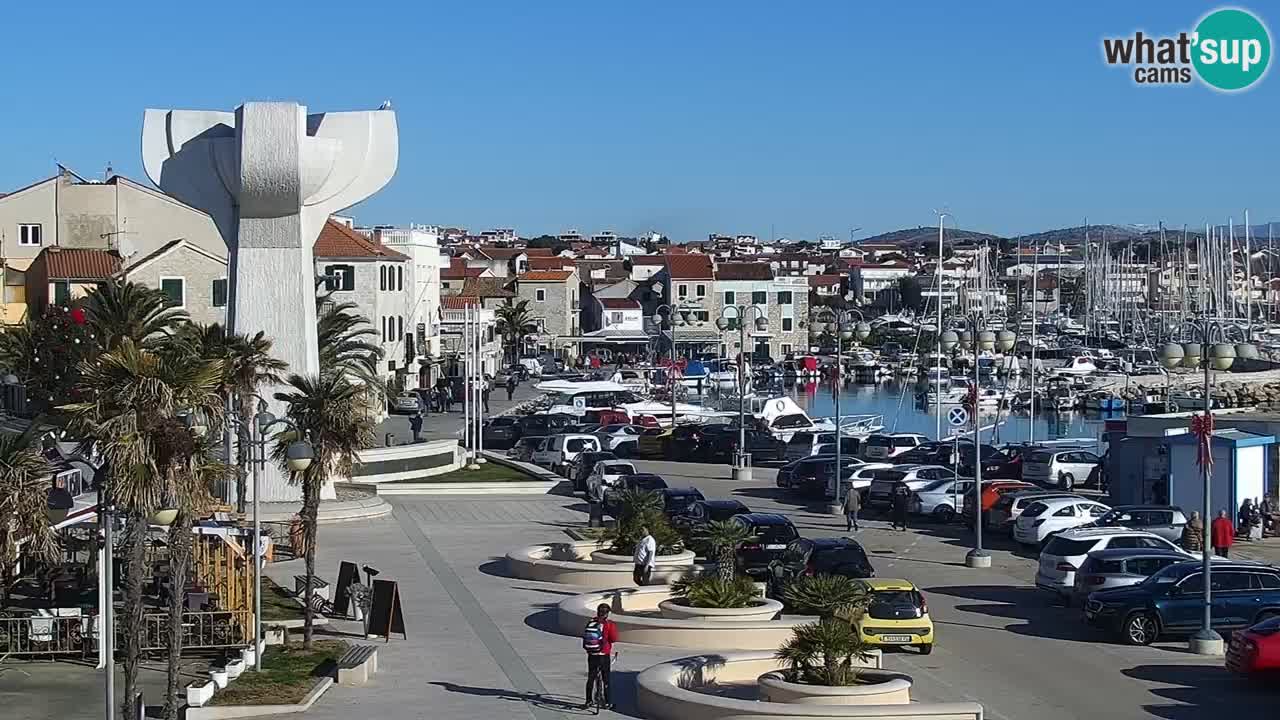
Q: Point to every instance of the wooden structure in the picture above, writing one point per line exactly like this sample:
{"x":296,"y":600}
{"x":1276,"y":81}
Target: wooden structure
{"x":223,"y":567}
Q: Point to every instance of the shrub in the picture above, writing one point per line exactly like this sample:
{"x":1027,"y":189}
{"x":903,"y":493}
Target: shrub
{"x":822,"y":653}
{"x":723,"y":538}
{"x":713,"y":591}
{"x":828,"y":596}
{"x":639,"y":509}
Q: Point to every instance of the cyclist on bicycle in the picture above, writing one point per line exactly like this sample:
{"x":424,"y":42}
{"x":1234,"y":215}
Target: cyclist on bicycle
{"x":598,"y":638}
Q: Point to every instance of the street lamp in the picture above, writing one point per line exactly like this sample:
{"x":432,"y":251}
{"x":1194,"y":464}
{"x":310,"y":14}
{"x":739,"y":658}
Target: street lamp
{"x":676,"y":315}
{"x":977,"y":557}
{"x":1221,"y":356}
{"x":845,"y":329}
{"x":741,"y":466}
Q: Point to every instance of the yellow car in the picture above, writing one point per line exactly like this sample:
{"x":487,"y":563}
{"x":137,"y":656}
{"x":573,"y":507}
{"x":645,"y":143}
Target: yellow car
{"x":653,"y":443}
{"x":897,"y":615}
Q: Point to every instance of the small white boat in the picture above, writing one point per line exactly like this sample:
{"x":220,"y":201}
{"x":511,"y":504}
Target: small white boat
{"x":1077,"y":365}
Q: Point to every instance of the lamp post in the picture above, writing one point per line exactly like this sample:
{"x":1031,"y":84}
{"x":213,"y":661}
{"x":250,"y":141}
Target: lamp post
{"x":844,"y":329}
{"x":938,"y":331}
{"x":676,"y":315}
{"x":1220,"y":355}
{"x":298,"y":456}
{"x":977,"y":557}
{"x":741,"y":466}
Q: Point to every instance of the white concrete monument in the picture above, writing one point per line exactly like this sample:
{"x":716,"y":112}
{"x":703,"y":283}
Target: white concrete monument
{"x":270,"y":175}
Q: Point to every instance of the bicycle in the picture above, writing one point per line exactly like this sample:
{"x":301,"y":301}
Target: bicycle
{"x":598,"y":699}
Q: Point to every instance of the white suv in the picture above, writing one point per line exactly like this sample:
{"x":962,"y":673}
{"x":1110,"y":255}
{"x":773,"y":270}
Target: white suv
{"x":1045,"y":518}
{"x":884,"y":447}
{"x":1066,"y":552}
{"x":1063,"y":469}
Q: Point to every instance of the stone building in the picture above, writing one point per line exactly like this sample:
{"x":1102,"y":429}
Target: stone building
{"x":554,"y":304}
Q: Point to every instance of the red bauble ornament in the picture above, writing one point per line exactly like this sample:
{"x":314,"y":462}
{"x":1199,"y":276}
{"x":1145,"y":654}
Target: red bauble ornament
{"x":77,"y":316}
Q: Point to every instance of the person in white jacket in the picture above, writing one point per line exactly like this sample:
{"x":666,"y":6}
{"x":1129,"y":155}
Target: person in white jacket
{"x":646,"y":552}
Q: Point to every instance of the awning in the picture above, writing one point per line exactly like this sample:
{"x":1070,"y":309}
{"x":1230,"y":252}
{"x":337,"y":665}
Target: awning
{"x":684,"y":335}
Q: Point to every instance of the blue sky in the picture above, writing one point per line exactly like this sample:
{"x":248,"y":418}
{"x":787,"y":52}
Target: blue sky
{"x":798,"y":119}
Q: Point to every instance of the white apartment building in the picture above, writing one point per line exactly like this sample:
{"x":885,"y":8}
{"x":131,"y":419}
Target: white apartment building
{"x":421,"y":243}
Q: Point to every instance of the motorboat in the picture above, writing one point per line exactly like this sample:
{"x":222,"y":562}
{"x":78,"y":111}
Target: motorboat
{"x":1104,"y":401}
{"x":1081,"y":364}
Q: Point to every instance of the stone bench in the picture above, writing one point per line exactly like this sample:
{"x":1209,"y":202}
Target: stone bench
{"x":357,"y":664}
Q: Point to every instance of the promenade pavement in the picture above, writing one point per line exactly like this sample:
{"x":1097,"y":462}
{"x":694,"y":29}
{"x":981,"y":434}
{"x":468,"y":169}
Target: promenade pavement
{"x":439,"y":426}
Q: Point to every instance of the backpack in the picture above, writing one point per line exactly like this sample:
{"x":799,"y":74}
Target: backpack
{"x":593,"y":637}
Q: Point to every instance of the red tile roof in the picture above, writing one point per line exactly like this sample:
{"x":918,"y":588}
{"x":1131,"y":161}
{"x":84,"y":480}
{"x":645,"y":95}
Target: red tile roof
{"x":538,"y":252}
{"x":80,"y":263}
{"x":550,"y":263}
{"x":691,"y":267}
{"x":824,"y":280}
{"x":486,"y":287}
{"x":649,"y":260}
{"x":339,"y":241}
{"x":744,"y":271}
{"x":458,"y":270}
{"x":458,"y":302}
{"x":545,"y":276}
{"x":619,"y":303}
{"x":500,"y":253}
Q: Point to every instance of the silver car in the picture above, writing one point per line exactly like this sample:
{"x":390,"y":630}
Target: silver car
{"x":1166,"y":521}
{"x":1107,"y":569}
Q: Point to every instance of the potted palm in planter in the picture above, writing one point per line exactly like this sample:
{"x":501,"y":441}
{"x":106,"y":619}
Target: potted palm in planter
{"x":723,"y":595}
{"x":828,"y":661}
{"x":639,"y":509}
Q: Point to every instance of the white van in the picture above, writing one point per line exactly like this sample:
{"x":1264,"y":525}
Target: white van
{"x":887,"y":446}
{"x":805,"y":443}
{"x":560,"y":450}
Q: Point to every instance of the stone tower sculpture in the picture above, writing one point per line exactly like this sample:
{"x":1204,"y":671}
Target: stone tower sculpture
{"x":270,"y":175}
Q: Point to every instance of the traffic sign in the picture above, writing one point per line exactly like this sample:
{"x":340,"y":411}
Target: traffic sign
{"x":958,"y":416}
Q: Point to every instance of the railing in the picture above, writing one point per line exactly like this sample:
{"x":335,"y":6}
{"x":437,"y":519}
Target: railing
{"x":36,"y":636}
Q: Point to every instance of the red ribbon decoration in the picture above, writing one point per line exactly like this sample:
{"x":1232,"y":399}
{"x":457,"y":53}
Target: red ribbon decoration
{"x":1202,"y":428}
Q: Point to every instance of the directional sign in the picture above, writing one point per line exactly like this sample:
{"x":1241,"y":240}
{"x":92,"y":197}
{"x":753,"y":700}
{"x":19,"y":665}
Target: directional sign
{"x":958,"y":416}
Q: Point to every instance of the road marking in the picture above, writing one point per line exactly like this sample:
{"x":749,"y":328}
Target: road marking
{"x":504,"y":655}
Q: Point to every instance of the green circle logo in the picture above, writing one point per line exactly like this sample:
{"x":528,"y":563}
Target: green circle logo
{"x":1232,"y":49}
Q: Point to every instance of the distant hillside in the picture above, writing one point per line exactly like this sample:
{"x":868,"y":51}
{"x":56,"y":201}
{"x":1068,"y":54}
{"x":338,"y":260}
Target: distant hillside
{"x":925,"y":234}
{"x":1076,"y":235}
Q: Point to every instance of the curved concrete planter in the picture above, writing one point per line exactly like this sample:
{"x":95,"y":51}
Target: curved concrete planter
{"x":681,"y":689}
{"x":226,"y":712}
{"x":635,"y":615}
{"x":879,"y":687}
{"x":762,"y":610}
{"x":571,"y":564}
{"x":684,"y":557}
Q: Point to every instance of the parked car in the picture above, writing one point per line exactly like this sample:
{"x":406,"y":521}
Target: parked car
{"x":929,"y":453}
{"x":560,"y":451}
{"x":583,"y":465}
{"x":770,"y":533}
{"x":1006,"y":464}
{"x":678,"y":443}
{"x":818,"y":556}
{"x":526,"y":446}
{"x":1120,"y":567}
{"x":805,"y":443}
{"x":850,"y":446}
{"x":636,"y":481}
{"x":724,"y":444}
{"x":941,"y":500}
{"x":695,"y":518}
{"x":1046,"y":518}
{"x":545,"y":423}
{"x":991,"y":494}
{"x":583,"y":428}
{"x":880,"y":494}
{"x":1256,"y":650}
{"x":965,"y":459}
{"x":501,"y":433}
{"x":885,"y":447}
{"x":1066,"y":552}
{"x":676,"y":501}
{"x":1166,"y":521}
{"x":825,"y":480}
{"x":1005,"y":510}
{"x":406,"y":404}
{"x":621,"y":438}
{"x":796,"y":472}
{"x":1059,"y":468}
{"x":1170,"y":602}
{"x":607,"y":474}
{"x":896,"y":616}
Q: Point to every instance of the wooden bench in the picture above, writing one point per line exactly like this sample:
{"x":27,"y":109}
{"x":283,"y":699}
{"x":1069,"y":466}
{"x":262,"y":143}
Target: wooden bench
{"x":357,"y":664}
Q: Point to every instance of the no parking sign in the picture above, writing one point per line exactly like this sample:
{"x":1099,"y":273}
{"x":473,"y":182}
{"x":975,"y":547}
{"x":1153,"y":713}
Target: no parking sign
{"x":958,"y":416}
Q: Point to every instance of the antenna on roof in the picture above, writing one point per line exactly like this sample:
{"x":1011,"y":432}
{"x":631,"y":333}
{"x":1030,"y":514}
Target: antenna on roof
{"x":107,"y":175}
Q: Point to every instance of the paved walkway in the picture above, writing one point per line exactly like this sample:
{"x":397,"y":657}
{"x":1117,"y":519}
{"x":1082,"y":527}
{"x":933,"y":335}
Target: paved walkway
{"x":438,"y":426}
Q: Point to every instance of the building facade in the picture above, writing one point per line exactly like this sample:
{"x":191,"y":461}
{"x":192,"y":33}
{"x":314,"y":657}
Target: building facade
{"x":421,"y":244}
{"x":554,"y":305}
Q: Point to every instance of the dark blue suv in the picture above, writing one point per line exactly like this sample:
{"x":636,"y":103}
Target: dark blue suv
{"x":1171,"y":602}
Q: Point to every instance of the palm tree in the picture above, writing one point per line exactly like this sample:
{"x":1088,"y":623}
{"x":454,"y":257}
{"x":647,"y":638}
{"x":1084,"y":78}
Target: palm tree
{"x":328,"y":411}
{"x":830,"y":596}
{"x":822,"y":653}
{"x":347,"y":343}
{"x":724,"y":537}
{"x":116,"y":310}
{"x":135,"y":392}
{"x":24,"y":488}
{"x":514,"y":323}
{"x":247,"y":367}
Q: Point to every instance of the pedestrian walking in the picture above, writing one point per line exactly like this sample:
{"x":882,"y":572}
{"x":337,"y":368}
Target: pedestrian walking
{"x":852,"y":504}
{"x":901,"y":498}
{"x":511,"y":386}
{"x":484,"y":395}
{"x":415,"y":425}
{"x":1222,"y":533}
{"x":646,"y":553}
{"x":1193,"y":534}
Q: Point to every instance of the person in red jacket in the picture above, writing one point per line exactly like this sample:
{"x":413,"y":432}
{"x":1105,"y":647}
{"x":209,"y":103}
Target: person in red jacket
{"x":597,"y":639}
{"x":1222,"y":533}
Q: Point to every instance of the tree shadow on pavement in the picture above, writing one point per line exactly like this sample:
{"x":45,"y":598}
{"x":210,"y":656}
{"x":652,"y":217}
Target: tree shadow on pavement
{"x":1198,"y":690}
{"x":547,"y":620}
{"x":497,"y":567}
{"x":562,"y":703}
{"x":1039,"y":618}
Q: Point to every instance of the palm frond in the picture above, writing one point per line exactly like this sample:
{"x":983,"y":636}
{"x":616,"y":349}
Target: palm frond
{"x":24,"y":498}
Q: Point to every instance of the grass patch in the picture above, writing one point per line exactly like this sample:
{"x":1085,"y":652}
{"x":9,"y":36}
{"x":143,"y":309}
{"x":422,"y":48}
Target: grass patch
{"x":278,"y":603}
{"x":288,"y":674}
{"x":488,"y":472}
